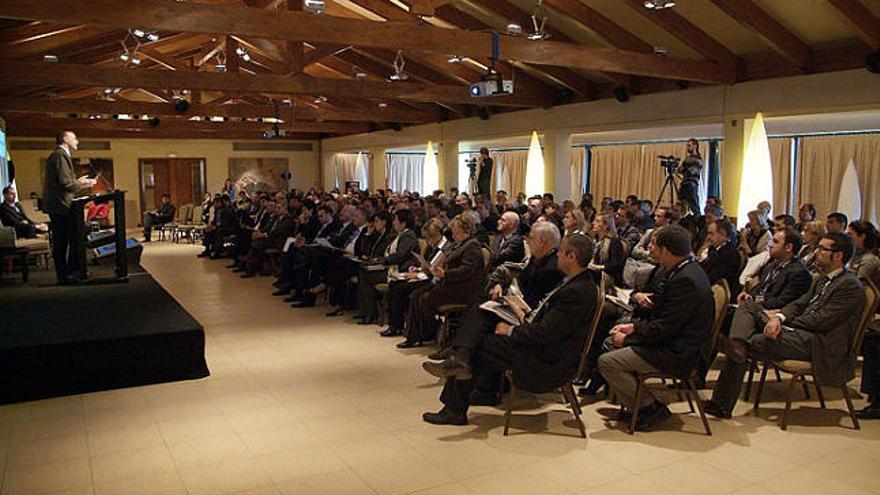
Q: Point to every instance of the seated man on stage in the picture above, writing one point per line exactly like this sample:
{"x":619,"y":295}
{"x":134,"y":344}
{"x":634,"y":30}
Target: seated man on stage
{"x":159,"y":216}
{"x":817,"y":327}
{"x":672,"y":338}
{"x":543,"y":351}
{"x":12,"y":215}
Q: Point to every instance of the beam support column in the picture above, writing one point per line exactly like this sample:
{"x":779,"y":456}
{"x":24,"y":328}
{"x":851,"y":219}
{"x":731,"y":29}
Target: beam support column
{"x":377,"y":174}
{"x":557,"y":164}
{"x":447,"y":162}
{"x":732,"y":162}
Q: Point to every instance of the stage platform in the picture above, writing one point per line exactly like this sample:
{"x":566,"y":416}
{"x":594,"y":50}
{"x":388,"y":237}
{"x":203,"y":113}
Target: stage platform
{"x":74,"y":339}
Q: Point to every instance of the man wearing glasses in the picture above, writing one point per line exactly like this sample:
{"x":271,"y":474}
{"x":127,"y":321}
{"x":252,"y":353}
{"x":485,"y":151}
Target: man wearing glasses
{"x":816,"y":327}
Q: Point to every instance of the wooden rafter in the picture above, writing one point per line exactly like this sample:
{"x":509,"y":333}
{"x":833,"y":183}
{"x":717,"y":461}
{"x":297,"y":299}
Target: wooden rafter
{"x":243,"y":21}
{"x":747,"y":13}
{"x":865,"y":23}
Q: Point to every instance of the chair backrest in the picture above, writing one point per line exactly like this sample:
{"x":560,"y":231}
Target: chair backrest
{"x":29,"y":206}
{"x":184,"y":213}
{"x":743,"y":258}
{"x":487,"y":259}
{"x":423,"y":247}
{"x":721,"y":294}
{"x":872,"y":302}
{"x":593,"y":328}
{"x":197,"y":214}
{"x":7,"y":237}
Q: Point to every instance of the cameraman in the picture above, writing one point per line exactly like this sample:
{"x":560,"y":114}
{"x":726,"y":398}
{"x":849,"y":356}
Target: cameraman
{"x":689,"y":169}
{"x":484,"y":174}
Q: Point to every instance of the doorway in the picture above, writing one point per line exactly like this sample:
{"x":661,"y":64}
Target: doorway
{"x":181,"y":178}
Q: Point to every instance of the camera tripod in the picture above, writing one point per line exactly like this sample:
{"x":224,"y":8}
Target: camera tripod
{"x":669,"y":185}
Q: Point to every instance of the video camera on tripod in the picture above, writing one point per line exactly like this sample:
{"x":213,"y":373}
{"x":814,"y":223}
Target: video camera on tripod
{"x":669,"y":163}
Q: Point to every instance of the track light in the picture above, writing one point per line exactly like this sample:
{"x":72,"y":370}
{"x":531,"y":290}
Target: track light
{"x":399,"y":63}
{"x":246,"y":57}
{"x":314,"y":6}
{"x":660,"y":50}
{"x":539,"y":20}
{"x":514,"y":29}
{"x":153,"y":36}
{"x":240,"y":51}
{"x":135,"y":60}
{"x":383,"y":105}
{"x":454,"y":59}
{"x":320,"y":99}
{"x":139,"y":33}
{"x":220,"y":67}
{"x":659,"y":4}
{"x":50,"y":58}
{"x":125,"y":57}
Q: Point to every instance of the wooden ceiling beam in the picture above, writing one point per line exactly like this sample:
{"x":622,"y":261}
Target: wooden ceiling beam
{"x":605,"y":28}
{"x":164,"y":134}
{"x":244,"y":21}
{"x":51,"y":44}
{"x":79,"y":75}
{"x":865,"y":23}
{"x":320,"y":52}
{"x":40,"y":122}
{"x":287,"y":112}
{"x":687,"y":32}
{"x":779,"y":37}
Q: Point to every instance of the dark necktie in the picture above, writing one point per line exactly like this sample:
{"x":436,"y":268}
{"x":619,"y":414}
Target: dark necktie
{"x":820,"y":289}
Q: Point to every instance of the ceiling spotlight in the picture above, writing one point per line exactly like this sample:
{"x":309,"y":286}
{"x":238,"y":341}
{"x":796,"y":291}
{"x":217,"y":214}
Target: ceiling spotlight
{"x":246,"y":57}
{"x":240,"y":51}
{"x":220,"y":67}
{"x":135,"y":60}
{"x":320,"y":99}
{"x":50,"y":58}
{"x":399,"y":63}
{"x":454,"y":59}
{"x":539,"y":20}
{"x":659,"y":4}
{"x":383,"y":105}
{"x":314,"y":6}
{"x":152,"y":36}
{"x":286,"y":101}
{"x":140,"y":33}
{"x":358,"y":73}
{"x":514,"y":29}
{"x":660,"y":50}
{"x":125,"y":57}
{"x":184,"y":91}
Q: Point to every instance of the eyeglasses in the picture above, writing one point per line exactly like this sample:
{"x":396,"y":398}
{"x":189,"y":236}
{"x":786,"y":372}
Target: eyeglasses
{"x":832,"y":250}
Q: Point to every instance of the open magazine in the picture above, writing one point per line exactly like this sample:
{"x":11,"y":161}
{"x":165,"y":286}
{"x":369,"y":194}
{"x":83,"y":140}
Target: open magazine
{"x":620,"y":298}
{"x":510,"y":307}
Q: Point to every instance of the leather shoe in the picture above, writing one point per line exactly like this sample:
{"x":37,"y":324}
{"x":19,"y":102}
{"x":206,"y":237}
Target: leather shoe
{"x":650,"y":416}
{"x":441,"y":354}
{"x":451,"y":367}
{"x":335,"y":312}
{"x":366,"y":321}
{"x":714,"y":409}
{"x":407,"y":344}
{"x":303,"y":304}
{"x":203,"y":254}
{"x":281,"y":292}
{"x":871,"y":411}
{"x":479,"y":398}
{"x":291,"y":298}
{"x":444,"y":417}
{"x":390,"y":332}
{"x":246,"y":275}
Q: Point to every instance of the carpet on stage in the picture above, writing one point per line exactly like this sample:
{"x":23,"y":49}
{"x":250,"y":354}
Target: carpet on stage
{"x":63,"y":340}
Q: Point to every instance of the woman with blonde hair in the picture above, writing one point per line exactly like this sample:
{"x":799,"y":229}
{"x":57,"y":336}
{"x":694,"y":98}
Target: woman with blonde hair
{"x":610,"y":255}
{"x":574,"y":222}
{"x":813,"y":231}
{"x":756,"y":235}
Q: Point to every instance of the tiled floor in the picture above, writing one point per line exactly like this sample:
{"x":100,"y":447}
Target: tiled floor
{"x":302,"y":404}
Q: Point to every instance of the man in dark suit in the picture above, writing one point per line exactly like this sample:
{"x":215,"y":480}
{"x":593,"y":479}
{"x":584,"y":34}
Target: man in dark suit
{"x":674,"y":336}
{"x":12,"y":215}
{"x":61,"y":184}
{"x":817,"y":327}
{"x":722,"y":260}
{"x":484,"y":174}
{"x":508,"y":244}
{"x":223,"y":224}
{"x":782,"y":280}
{"x":281,"y":228}
{"x":161,"y":215}
{"x":543,"y":351}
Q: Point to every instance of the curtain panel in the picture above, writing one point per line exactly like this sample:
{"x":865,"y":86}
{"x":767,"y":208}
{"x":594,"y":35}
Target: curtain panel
{"x":346,"y":167}
{"x":404,"y":172}
{"x":576,"y":173}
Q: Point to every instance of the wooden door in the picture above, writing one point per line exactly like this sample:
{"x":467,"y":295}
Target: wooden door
{"x":181,"y":178}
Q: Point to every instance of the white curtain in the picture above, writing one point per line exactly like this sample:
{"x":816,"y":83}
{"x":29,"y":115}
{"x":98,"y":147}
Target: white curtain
{"x":513,"y":170}
{"x":346,"y":166}
{"x":404,"y":171}
{"x":576,"y":171}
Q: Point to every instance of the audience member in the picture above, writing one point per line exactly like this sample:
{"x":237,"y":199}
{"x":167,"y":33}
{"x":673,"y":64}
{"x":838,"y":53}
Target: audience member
{"x":610,"y":252}
{"x":12,"y":215}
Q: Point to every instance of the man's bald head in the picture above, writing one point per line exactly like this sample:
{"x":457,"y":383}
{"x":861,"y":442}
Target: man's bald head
{"x":508,"y":223}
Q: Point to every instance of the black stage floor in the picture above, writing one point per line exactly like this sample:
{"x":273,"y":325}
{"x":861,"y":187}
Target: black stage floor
{"x":74,"y":339}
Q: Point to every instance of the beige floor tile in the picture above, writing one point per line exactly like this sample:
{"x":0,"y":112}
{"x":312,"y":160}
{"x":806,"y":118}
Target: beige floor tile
{"x":633,"y":485}
{"x":208,"y":450}
{"x":402,"y":475}
{"x":224,"y":477}
{"x":343,"y":427}
{"x":372,"y":449}
{"x":47,"y":450}
{"x":257,"y":419}
{"x":514,"y":482}
{"x":694,"y":477}
{"x":73,"y":475}
{"x":39,"y":427}
{"x":106,"y":441}
{"x":450,"y":489}
{"x":164,"y":483}
{"x":301,"y":463}
{"x":126,"y":464}
{"x":113,"y":399}
{"x":182,"y":430}
{"x":801,"y":480}
{"x":271,"y":439}
{"x":338,"y":483}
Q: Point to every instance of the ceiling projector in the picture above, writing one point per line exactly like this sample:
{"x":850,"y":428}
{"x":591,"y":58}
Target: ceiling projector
{"x":491,"y":87}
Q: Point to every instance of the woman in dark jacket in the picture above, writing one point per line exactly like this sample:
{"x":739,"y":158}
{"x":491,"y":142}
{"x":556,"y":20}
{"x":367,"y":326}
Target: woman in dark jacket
{"x":399,"y":291}
{"x":459,"y":279}
{"x":610,"y":254}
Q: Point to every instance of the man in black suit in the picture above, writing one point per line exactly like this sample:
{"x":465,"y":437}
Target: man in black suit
{"x":722,"y":259}
{"x":12,"y":215}
{"x":782,"y":280}
{"x":223,"y":224}
{"x":543,"y":351}
{"x":672,"y":338}
{"x":817,"y":327}
{"x":161,"y":215}
{"x":508,"y":244}
{"x":61,"y":184}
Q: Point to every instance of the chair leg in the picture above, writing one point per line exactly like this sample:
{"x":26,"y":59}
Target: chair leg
{"x":778,"y":376}
{"x":806,"y":387}
{"x":760,"y":386}
{"x":753,"y":366}
{"x":787,"y":412}
{"x":636,"y":405}
{"x":849,"y":406}
{"x":692,"y":391}
{"x":819,"y":393}
{"x":511,"y":397}
{"x":569,"y":394}
{"x":687,"y":393}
